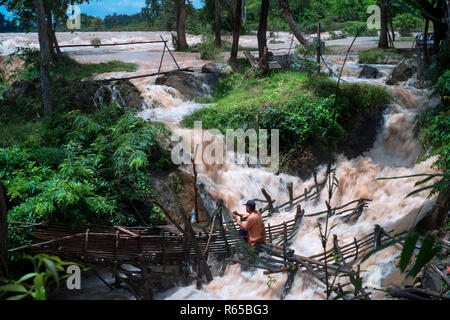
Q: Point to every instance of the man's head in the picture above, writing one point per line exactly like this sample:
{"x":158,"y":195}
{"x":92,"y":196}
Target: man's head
{"x":250,"y":206}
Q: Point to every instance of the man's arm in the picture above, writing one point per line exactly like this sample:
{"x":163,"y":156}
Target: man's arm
{"x":247,"y":224}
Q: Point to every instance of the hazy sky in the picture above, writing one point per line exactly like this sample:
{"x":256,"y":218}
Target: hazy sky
{"x":102,"y":8}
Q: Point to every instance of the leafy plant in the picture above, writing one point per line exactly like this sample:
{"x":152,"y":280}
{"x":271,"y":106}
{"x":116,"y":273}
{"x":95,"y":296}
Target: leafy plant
{"x":429,"y":249}
{"x":35,"y":285}
{"x":96,"y":42}
{"x":406,"y":23}
{"x":271,"y":281}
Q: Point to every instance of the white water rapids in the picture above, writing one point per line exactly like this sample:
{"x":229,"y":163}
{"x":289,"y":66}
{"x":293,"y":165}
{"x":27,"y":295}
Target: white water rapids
{"x":394,"y":154}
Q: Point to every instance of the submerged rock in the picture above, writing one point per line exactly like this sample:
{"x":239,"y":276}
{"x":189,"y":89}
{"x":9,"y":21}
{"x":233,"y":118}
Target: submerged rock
{"x":190,"y":84}
{"x":369,"y":72}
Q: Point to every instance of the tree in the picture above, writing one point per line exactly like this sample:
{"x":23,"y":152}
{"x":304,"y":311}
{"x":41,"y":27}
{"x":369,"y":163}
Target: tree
{"x":3,"y":232}
{"x":218,"y":40}
{"x":236,"y":29}
{"x":45,"y":56}
{"x":55,"y":12}
{"x":181,"y":25}
{"x":262,"y":30}
{"x":383,"y":40}
{"x":284,"y":4}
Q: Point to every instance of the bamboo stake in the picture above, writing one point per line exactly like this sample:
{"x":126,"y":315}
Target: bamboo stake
{"x":167,"y":47}
{"x":290,"y":188}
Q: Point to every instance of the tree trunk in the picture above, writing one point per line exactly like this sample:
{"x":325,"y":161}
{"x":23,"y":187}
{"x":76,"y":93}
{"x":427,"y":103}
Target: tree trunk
{"x":284,"y":4}
{"x":262,"y":30}
{"x":181,"y":25}
{"x":383,"y":41}
{"x":218,"y":40}
{"x":53,"y":42}
{"x":3,"y":232}
{"x":440,"y":33}
{"x":236,"y":29}
{"x":45,"y":56}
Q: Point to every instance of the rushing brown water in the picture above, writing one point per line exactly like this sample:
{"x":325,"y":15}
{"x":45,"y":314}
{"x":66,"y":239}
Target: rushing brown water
{"x":394,"y":154}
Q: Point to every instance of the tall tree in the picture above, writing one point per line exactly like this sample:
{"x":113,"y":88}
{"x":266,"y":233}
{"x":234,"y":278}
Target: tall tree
{"x":181,"y":25}
{"x":383,"y":40}
{"x":262,"y":29}
{"x":237,"y":10}
{"x":218,"y":39}
{"x":284,"y":4}
{"x":45,"y":56}
{"x":3,"y":232}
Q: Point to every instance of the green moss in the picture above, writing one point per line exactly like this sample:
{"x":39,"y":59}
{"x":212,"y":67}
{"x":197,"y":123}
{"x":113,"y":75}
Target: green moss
{"x":377,"y":55}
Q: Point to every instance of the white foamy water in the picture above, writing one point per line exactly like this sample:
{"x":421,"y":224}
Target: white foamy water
{"x":394,"y":154}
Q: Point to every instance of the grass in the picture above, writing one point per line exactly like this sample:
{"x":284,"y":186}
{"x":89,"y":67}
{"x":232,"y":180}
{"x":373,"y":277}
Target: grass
{"x":301,"y":105}
{"x":69,"y":68}
{"x":378,"y":56}
{"x":73,"y":70}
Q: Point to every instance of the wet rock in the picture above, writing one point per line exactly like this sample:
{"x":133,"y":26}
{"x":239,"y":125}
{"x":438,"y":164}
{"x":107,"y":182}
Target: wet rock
{"x":422,"y":84}
{"x":71,"y":95}
{"x":288,"y":62}
{"x":191,"y":85}
{"x":431,"y":280}
{"x":273,"y":41}
{"x":369,"y":72}
{"x":404,"y":71}
{"x":219,"y":68}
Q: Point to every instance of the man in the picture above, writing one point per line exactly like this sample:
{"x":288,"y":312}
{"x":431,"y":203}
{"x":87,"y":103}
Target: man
{"x":254,"y":224}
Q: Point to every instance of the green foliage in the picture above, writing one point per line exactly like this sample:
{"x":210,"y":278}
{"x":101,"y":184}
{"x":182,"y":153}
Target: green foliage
{"x":429,"y":248}
{"x":434,"y":126}
{"x":46,"y":274}
{"x":84,"y":169}
{"x":66,"y":66}
{"x":378,"y":55}
{"x":300,"y":105}
{"x":406,"y":23}
{"x":96,"y":42}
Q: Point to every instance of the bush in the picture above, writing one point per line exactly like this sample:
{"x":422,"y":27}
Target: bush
{"x":300,"y":105}
{"x":85,"y":169}
{"x":207,"y":48}
{"x":406,"y":23}
{"x":96,"y":42}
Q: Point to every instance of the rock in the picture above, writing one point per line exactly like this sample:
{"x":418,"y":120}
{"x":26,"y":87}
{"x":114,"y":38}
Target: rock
{"x":191,"y":85}
{"x":431,"y":280}
{"x":405,"y":70}
{"x":422,"y":84}
{"x":273,"y":41}
{"x":391,"y":60}
{"x":369,"y":72}
{"x":219,"y":68}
